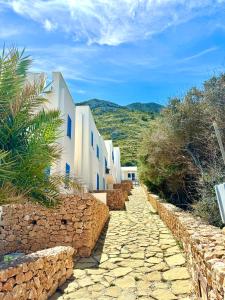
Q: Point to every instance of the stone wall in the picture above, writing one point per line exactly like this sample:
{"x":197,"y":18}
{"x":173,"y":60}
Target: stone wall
{"x":29,"y":227}
{"x":204,"y":246}
{"x":128,"y":183}
{"x":126,"y":186}
{"x":115,"y":198}
{"x":36,"y":276}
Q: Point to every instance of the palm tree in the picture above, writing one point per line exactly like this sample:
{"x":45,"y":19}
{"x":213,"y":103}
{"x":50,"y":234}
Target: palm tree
{"x":28,"y":133}
{"x":5,"y":167}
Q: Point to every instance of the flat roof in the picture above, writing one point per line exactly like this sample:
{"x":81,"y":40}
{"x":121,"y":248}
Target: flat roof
{"x":129,"y":168}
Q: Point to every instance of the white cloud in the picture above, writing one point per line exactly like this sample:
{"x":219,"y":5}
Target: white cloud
{"x":111,"y":22}
{"x":49,"y":26}
{"x":202,"y":53}
{"x":74,"y":62}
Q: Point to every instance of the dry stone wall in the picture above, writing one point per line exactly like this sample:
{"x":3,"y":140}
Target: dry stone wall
{"x":128,"y":183}
{"x":204,"y":246}
{"x":126,"y":186}
{"x":115,"y":199}
{"x":29,"y":227}
{"x":36,"y":276}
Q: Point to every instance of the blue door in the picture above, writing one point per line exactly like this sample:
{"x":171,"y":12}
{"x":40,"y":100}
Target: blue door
{"x":67,"y":170}
{"x":97,"y":181}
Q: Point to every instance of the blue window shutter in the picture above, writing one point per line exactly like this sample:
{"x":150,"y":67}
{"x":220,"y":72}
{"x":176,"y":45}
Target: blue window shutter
{"x":97,"y":181}
{"x":67,"y":169}
{"x":104,"y":183}
{"x":92,"y":139}
{"x":106,"y":164}
{"x":97,"y":151}
{"x":113,"y":156}
{"x":69,"y":126}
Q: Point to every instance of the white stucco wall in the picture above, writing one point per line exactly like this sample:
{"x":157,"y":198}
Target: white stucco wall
{"x":101,"y":197}
{"x":61,"y":99}
{"x":88,"y":165}
{"x":117,"y":164}
{"x":111,"y":164}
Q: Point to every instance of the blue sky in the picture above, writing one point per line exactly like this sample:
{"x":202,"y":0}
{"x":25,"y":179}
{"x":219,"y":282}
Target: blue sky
{"x":120,"y":50}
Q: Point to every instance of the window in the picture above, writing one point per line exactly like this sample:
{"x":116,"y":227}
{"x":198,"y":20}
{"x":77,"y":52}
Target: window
{"x":67,"y":169}
{"x":92,"y":139}
{"x":113,"y":156}
{"x":129,"y":175}
{"x":67,"y":175}
{"x":69,"y":126}
{"x":97,"y":185}
{"x":133,"y":176}
{"x":97,"y":152}
{"x":106,"y":167}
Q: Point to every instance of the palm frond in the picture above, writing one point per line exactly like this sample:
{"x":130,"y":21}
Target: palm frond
{"x":6,"y":171}
{"x":28,"y":131}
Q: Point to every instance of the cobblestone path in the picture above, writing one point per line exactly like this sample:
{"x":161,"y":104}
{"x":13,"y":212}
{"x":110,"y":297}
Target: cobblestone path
{"x":136,"y":257}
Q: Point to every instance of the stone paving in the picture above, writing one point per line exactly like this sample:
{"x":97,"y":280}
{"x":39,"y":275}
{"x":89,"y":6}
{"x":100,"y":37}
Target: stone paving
{"x":136,"y":257}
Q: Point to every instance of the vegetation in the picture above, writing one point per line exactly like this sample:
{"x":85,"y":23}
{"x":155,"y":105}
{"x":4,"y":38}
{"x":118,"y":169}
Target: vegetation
{"x":122,"y":124}
{"x":146,"y":107}
{"x":27,"y":134}
{"x":179,"y":153}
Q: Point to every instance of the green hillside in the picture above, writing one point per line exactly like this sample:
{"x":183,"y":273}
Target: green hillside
{"x":122,"y":124}
{"x":146,"y":107}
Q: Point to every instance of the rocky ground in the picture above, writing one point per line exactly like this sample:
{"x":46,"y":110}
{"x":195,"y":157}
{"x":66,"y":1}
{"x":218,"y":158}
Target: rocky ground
{"x":136,"y":257}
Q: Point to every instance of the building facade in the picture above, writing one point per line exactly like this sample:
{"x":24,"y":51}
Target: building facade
{"x":118,"y":175}
{"x":90,"y":150}
{"x":84,"y":153}
{"x":129,"y":173}
{"x":59,"y":98}
{"x":113,"y":164}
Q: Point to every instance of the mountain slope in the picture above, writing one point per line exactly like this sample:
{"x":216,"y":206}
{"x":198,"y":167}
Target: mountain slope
{"x":121,"y":124}
{"x":146,"y":107}
{"x":101,"y":105}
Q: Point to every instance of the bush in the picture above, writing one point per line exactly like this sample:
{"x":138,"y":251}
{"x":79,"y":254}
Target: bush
{"x":179,"y":154}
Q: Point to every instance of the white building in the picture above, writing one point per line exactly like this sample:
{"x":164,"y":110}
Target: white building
{"x":117,"y":164}
{"x":60,"y":99}
{"x":129,"y":173}
{"x":114,"y":167}
{"x":85,"y":155}
{"x":90,"y":151}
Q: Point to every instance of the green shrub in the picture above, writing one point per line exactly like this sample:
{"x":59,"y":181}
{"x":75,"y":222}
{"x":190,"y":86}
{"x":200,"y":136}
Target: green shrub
{"x":179,"y":155}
